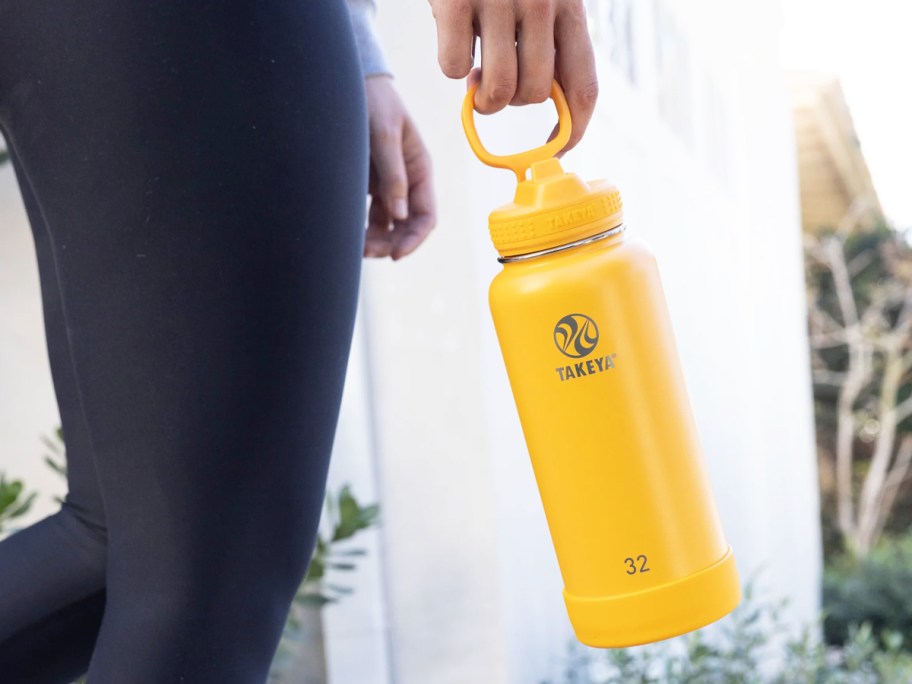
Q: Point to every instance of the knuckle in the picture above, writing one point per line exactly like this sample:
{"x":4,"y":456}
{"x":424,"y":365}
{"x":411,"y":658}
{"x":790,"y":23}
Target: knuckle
{"x":394,"y":185}
{"x":588,"y":94}
{"x":536,"y":93}
{"x":463,"y":8}
{"x":386,"y":135}
{"x":453,"y":12}
{"x":397,"y":186}
{"x":501,"y":92}
{"x":459,"y":7}
{"x":502,"y":7}
{"x":538,"y":8}
{"x":441,"y":8}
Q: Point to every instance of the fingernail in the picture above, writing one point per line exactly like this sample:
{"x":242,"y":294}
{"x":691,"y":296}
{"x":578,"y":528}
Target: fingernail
{"x":400,"y":209}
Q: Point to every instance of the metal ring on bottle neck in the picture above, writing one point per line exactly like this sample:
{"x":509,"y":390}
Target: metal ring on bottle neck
{"x":560,"y":248}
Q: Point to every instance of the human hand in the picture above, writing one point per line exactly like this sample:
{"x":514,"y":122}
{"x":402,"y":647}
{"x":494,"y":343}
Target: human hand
{"x":403,"y":208}
{"x":525,"y":44}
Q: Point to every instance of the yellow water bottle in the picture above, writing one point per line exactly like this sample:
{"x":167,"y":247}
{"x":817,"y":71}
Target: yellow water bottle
{"x":583,"y":326}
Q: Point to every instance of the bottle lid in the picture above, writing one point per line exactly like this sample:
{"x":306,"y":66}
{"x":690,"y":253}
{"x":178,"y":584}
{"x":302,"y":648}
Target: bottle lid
{"x":551,"y":207}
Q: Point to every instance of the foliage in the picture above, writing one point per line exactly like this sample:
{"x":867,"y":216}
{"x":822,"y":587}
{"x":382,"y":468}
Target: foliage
{"x":346,"y":518}
{"x":860,"y":317}
{"x":58,"y":451}
{"x":4,"y":157}
{"x":747,"y":648}
{"x":875,"y":590}
{"x":14,"y":503}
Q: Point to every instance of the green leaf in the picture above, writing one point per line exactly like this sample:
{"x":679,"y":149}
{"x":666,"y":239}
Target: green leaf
{"x":369,"y":515}
{"x":22,"y":507}
{"x":348,"y":552}
{"x":315,"y":570}
{"x":313,"y":600}
{"x":352,"y":517}
{"x":59,"y":468}
{"x":10,"y":490}
{"x":341,"y":566}
{"x":321,"y":548}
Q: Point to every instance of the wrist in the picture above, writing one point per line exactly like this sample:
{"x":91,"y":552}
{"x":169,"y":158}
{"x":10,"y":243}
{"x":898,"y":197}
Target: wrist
{"x":373,"y":62}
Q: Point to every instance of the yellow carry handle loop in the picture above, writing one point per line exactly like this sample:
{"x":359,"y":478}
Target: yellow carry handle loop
{"x":521,"y":161}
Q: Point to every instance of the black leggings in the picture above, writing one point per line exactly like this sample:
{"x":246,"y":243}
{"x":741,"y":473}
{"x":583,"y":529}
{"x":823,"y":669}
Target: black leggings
{"x":195,"y":174}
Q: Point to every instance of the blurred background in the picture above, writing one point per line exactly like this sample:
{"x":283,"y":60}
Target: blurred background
{"x":763,"y":152}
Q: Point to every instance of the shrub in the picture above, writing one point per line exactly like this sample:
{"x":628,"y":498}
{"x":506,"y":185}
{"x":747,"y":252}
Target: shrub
{"x":14,"y":502}
{"x":875,"y":589}
{"x":745,"y":650}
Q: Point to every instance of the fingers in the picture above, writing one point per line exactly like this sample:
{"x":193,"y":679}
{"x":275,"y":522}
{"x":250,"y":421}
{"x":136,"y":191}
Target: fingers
{"x":455,"y":36}
{"x":498,"y":57}
{"x":396,"y":237}
{"x":408,"y":234}
{"x":575,"y":69}
{"x":535,"y":47}
{"x":386,"y":155}
{"x":405,"y":236}
{"x":376,"y":238}
{"x":525,"y":44}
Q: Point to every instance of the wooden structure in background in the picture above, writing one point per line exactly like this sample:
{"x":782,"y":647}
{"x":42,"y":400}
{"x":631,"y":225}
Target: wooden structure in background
{"x":832,"y":171}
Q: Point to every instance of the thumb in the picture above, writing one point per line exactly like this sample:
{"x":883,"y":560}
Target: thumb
{"x":473,"y":78}
{"x":391,"y":173}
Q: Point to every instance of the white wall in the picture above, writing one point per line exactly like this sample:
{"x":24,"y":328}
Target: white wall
{"x":28,"y":408}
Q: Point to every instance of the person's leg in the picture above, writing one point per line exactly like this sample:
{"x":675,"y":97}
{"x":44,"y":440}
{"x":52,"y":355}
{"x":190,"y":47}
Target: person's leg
{"x":202,"y":171}
{"x":56,"y":649}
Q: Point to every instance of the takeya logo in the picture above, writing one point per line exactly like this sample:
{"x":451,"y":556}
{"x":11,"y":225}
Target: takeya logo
{"x":576,"y":335}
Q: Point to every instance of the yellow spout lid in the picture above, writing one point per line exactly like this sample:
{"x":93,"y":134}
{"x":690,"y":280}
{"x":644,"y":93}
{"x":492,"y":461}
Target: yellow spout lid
{"x":551,"y":207}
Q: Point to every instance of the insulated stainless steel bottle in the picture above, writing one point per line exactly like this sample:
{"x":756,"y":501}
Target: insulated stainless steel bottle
{"x":583,"y":326}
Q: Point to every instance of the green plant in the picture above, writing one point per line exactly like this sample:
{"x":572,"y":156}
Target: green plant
{"x":59,"y":451}
{"x":14,"y":503}
{"x":4,"y":157}
{"x":875,"y":589}
{"x":746,"y":649}
{"x":346,"y":518}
